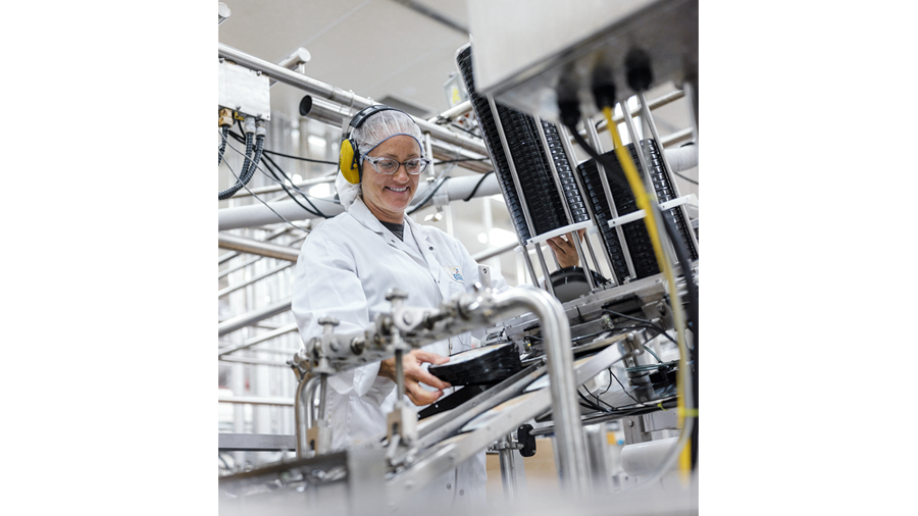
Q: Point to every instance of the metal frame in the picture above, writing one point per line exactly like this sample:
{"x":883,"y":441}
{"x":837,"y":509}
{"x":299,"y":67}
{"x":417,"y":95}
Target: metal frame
{"x":520,"y":196}
{"x":597,"y":145}
{"x":564,"y":203}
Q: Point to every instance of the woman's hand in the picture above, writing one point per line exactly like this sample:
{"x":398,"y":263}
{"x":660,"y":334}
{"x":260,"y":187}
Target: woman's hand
{"x":563,"y":247}
{"x":414,"y":373}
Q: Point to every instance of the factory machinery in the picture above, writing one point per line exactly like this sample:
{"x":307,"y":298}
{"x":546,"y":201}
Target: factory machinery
{"x":613,"y":340}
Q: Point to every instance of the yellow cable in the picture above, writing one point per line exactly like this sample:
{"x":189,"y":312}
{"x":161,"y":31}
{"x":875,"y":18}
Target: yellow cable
{"x":643,"y":203}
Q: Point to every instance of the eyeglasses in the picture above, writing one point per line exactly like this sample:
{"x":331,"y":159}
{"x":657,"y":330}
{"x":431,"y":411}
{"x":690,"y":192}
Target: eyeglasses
{"x":388,"y":166}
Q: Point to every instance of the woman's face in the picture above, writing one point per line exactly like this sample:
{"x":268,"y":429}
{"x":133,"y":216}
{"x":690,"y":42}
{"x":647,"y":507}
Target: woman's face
{"x":388,"y":196}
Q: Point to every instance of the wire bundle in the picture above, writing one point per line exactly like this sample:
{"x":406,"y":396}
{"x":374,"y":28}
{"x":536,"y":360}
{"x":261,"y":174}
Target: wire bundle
{"x":543,"y":201}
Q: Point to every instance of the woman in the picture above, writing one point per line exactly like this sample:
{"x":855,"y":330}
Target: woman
{"x":349,"y":263}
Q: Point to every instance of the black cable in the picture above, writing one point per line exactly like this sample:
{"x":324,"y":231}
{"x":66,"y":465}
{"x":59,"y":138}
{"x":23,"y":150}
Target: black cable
{"x":622,"y":386}
{"x":301,"y":159}
{"x":467,"y":199}
{"x":429,"y":196}
{"x":675,"y":239}
{"x":686,"y":265}
{"x":590,"y":404}
{"x":683,"y":177}
{"x":223,"y":144}
{"x":259,"y":199}
{"x":318,"y":212}
{"x":269,"y":165}
{"x":247,"y":172}
{"x":460,"y":160}
{"x":626,"y":316}
{"x":229,"y":192}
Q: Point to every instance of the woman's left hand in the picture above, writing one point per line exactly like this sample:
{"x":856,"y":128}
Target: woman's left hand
{"x":563,"y":247}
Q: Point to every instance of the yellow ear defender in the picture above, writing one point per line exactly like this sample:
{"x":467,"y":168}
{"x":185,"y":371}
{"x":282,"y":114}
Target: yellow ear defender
{"x":347,"y":162}
{"x":350,"y":162}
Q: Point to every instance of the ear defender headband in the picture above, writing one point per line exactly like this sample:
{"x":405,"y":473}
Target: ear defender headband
{"x":350,"y":162}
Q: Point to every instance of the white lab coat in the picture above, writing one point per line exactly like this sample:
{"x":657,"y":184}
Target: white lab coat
{"x":345,"y":268}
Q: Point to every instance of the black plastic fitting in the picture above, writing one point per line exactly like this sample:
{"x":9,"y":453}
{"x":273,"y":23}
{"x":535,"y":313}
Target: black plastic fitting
{"x":569,"y":112}
{"x":604,"y":95}
{"x":528,"y":441}
{"x":637,"y":70}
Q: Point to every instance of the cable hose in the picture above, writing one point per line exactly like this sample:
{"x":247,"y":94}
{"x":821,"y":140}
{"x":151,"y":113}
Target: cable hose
{"x":683,"y":256}
{"x":247,"y":173}
{"x":229,"y":192}
{"x":223,"y":144}
{"x":682,"y":252}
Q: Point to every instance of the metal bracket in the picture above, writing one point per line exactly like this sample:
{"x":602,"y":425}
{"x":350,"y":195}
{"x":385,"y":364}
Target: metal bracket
{"x":690,"y":199}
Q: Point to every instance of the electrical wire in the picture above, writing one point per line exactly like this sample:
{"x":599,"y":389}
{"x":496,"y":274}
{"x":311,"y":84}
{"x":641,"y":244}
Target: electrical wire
{"x":651,"y":352}
{"x":686,"y":178}
{"x":301,"y":159}
{"x":268,"y":164}
{"x":442,"y":177}
{"x":222,"y":148}
{"x":460,"y":160}
{"x":467,"y":199}
{"x":259,"y":199}
{"x":239,"y":139}
{"x":652,"y":212}
{"x":622,"y":386}
{"x":317,"y":212}
{"x":428,"y":198}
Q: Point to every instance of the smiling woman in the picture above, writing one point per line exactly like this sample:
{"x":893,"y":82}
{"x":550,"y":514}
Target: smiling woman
{"x":387,"y":196}
{"x":350,"y":262}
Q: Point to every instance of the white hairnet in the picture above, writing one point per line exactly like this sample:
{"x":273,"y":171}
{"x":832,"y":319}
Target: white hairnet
{"x":383,"y":125}
{"x":376,"y":129}
{"x":346,"y":191}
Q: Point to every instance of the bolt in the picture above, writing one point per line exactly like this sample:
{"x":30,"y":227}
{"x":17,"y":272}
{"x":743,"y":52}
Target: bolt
{"x":396,"y":294}
{"x":407,"y":318}
{"x":630,"y":423}
{"x":334,"y":345}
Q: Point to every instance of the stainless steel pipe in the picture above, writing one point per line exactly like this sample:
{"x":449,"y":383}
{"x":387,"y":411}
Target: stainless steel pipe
{"x":457,"y":188}
{"x":302,"y":411}
{"x":251,"y":246}
{"x":347,"y":99}
{"x":249,"y":318}
{"x":255,"y":279}
{"x":556,"y":339}
{"x":283,"y":330}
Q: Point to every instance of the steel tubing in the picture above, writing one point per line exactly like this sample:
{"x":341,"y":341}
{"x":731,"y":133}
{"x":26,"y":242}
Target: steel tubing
{"x":278,"y":188}
{"x":494,"y":251}
{"x":654,"y":104}
{"x":256,"y":279}
{"x":347,"y":99}
{"x":258,"y":400}
{"x":457,"y":188}
{"x":249,"y":318}
{"x":283,"y":330}
{"x":451,"y":113}
{"x":302,"y":411}
{"x":556,"y":338}
{"x":251,"y":246}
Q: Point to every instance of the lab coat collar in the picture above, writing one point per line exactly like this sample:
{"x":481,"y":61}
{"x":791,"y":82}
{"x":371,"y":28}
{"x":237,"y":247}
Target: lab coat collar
{"x":363,"y":215}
